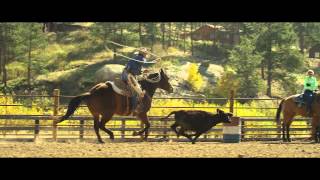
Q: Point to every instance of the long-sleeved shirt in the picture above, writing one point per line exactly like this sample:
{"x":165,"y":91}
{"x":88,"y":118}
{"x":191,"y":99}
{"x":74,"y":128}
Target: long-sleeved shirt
{"x":135,"y":67}
{"x":310,"y":83}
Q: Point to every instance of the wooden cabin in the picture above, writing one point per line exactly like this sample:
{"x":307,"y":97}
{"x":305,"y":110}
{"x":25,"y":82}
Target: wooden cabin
{"x":314,"y":51}
{"x":214,"y":33}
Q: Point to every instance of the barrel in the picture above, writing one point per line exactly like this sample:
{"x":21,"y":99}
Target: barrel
{"x":232,"y":131}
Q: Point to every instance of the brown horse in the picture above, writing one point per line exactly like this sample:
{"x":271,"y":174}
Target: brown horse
{"x":290,"y":109}
{"x":103,"y":100}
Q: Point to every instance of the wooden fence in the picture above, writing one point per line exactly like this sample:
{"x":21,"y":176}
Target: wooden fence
{"x":81,"y":127}
{"x":253,"y":128}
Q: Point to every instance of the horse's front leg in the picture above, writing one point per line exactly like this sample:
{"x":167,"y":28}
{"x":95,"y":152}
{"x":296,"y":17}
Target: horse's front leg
{"x":288,"y":133}
{"x":145,"y":120}
{"x":314,"y":129}
{"x":287,"y":120}
{"x":174,"y":128}
{"x":284,"y":139}
{"x":318,"y":134}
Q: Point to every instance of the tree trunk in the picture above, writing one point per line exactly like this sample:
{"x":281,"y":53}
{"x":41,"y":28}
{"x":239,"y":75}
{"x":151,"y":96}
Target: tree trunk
{"x":262,"y":71}
{"x":301,"y":33}
{"x":152,"y":35}
{"x":192,"y":53}
{"x":235,"y":33}
{"x":214,"y":37}
{"x":121,"y":35}
{"x":184,"y":37}
{"x":29,"y":59}
{"x":163,"y":30}
{"x":301,"y":42}
{"x":169,"y":41}
{"x":0,"y":59}
{"x":269,"y":70}
{"x":177,"y":35}
{"x":114,"y":37}
{"x":140,"y":34}
{"x":4,"y":70}
{"x":4,"y":62}
{"x":1,"y":49}
{"x":105,"y":37}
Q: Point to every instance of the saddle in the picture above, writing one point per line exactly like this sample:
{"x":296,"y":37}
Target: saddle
{"x":299,"y":100}
{"x":120,"y":87}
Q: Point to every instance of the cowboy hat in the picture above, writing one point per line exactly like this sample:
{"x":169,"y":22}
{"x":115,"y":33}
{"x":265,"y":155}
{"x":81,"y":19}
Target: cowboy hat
{"x":310,"y":72}
{"x":143,"y":51}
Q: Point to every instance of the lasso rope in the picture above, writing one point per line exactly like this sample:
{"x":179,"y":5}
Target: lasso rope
{"x":151,"y":80}
{"x":146,"y":62}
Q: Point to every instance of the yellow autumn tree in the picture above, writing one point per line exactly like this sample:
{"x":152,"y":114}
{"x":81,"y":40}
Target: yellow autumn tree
{"x":195,"y":79}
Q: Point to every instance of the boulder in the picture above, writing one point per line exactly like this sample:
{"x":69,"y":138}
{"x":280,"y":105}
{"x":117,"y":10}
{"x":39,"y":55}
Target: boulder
{"x":109,"y":72}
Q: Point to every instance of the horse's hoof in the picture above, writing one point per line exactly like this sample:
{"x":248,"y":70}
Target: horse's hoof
{"x":112,"y":137}
{"x":101,"y":142}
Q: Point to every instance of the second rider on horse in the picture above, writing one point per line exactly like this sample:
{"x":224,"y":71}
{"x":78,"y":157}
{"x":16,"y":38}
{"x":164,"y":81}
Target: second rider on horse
{"x":310,"y":86}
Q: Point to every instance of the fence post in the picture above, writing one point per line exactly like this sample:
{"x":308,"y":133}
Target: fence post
{"x":242,"y":128}
{"x":279,"y":130}
{"x":36,"y":129}
{"x":56,"y":94}
{"x":231,"y":101}
{"x":81,"y":132}
{"x":165,"y":122}
{"x":141,"y":126}
{"x":123,"y":126}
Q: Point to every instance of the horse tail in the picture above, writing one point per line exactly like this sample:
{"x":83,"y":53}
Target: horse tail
{"x":173,"y":112}
{"x":279,"y":111}
{"x":73,"y":105}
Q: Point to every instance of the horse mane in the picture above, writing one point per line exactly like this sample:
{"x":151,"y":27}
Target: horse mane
{"x":151,"y":78}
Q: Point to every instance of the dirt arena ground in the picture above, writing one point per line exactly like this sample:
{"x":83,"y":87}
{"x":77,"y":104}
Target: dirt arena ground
{"x":159,"y":149}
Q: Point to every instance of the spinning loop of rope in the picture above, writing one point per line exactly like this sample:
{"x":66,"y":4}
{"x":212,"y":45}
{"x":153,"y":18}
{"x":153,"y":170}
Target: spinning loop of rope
{"x":118,"y":54}
{"x":145,"y":75}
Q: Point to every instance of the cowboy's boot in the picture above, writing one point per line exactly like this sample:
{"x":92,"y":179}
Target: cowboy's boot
{"x":141,"y":106}
{"x":309,"y":112}
{"x":139,"y":109}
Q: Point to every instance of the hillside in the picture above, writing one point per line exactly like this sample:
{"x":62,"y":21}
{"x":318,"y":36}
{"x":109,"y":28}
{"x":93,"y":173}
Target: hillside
{"x":75,"y":60}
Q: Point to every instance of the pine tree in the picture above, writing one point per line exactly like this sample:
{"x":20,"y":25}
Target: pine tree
{"x":275,"y":42}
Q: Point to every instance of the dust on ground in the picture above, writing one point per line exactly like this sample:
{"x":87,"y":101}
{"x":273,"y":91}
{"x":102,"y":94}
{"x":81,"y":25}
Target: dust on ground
{"x":159,"y":149}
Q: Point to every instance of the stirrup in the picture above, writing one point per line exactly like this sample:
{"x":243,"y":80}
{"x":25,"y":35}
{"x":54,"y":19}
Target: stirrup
{"x":141,"y":95}
{"x":309,"y":113}
{"x":138,"y":109}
